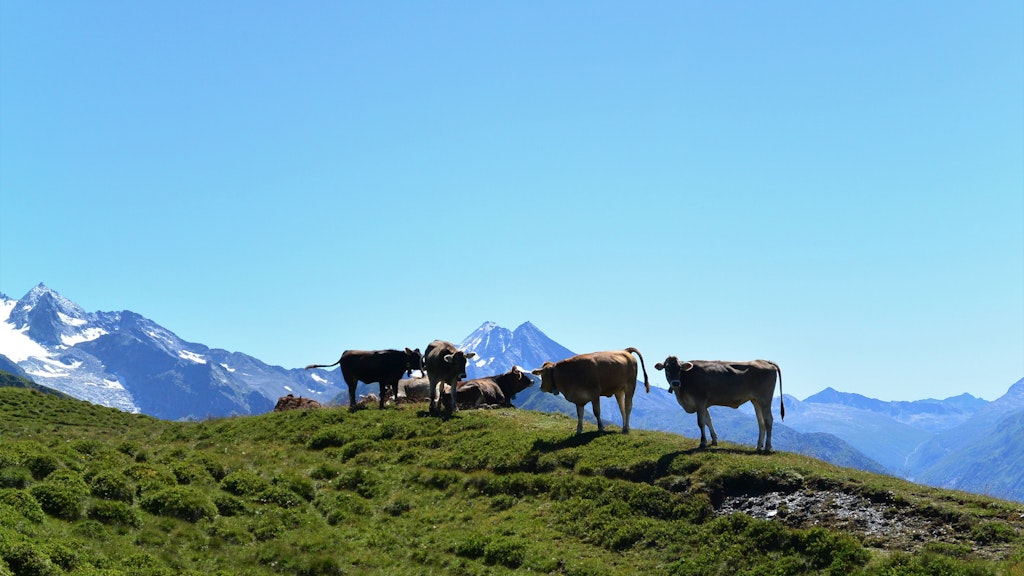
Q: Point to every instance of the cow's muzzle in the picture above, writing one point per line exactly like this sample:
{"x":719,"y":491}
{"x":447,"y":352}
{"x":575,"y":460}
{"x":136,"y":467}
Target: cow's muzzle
{"x":673,"y":384}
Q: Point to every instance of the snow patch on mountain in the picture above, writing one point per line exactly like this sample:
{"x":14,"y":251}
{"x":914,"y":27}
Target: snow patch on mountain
{"x":14,"y":342}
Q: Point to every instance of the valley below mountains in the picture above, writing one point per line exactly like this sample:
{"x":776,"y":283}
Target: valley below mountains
{"x":126,"y":361}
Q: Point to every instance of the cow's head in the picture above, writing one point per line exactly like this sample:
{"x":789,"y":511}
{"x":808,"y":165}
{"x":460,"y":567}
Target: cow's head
{"x":547,"y":380}
{"x":457,"y":363}
{"x":413,"y":361}
{"x":514,"y":381}
{"x":673,"y":371}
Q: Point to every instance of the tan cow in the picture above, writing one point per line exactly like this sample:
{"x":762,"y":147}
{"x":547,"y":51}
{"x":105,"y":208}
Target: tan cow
{"x":587,"y":377}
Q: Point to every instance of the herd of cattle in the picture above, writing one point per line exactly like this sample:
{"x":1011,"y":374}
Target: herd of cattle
{"x":582,"y":379}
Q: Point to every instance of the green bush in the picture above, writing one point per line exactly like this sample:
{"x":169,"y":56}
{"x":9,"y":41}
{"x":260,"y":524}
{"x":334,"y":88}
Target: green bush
{"x":41,"y":465}
{"x":15,"y":477}
{"x":279,"y":496}
{"x":329,"y":437}
{"x":114,"y":512}
{"x":112,"y":486}
{"x":188,"y":472}
{"x":229,"y":505}
{"x":26,"y":559}
{"x":298,"y":484}
{"x":990,"y":532}
{"x":182,"y":502}
{"x":244,"y":483}
{"x":23,"y":503}
{"x":62,"y":495}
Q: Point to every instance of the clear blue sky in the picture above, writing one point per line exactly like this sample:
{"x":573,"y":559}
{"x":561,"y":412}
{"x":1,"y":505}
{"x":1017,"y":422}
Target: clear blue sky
{"x":836,"y":186}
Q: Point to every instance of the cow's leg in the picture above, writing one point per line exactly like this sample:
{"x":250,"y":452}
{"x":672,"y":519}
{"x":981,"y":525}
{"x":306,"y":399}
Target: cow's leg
{"x":769,"y":420}
{"x":433,"y":390}
{"x":759,"y":412}
{"x":625,"y":406}
{"x":455,"y":407}
{"x":700,"y":424}
{"x":383,"y":393}
{"x":579,"y":418}
{"x":597,"y":413}
{"x":351,"y":382}
{"x":711,"y":427}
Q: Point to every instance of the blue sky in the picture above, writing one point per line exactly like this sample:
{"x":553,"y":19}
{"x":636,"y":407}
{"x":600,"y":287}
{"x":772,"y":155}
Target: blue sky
{"x":837,"y":186}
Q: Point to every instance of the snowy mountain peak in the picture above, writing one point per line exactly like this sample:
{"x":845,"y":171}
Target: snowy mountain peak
{"x":498,"y":349}
{"x":124,"y":360}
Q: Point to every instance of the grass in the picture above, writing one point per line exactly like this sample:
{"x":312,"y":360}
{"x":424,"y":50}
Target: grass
{"x":91,"y":490}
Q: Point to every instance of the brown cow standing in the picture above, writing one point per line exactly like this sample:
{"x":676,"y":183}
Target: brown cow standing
{"x":444,"y":364}
{"x":587,"y":377}
{"x":369,"y":366}
{"x":698,"y":384}
{"x":493,"y":390}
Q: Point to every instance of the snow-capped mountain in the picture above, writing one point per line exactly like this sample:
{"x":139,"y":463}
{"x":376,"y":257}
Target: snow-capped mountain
{"x":123,"y":360}
{"x":498,"y":349}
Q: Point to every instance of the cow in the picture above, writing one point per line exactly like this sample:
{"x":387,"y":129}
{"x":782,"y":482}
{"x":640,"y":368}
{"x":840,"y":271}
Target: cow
{"x":586,"y":377}
{"x":290,"y":402}
{"x":698,"y":384}
{"x":444,"y":364}
{"x":497,"y":390}
{"x":369,"y":366}
{"x":413,"y":389}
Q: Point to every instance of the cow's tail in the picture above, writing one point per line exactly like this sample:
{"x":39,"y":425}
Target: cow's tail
{"x":311,"y":366}
{"x":647,"y":383}
{"x":782,"y":399}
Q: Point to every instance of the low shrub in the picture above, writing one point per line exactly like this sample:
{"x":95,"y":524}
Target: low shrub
{"x":62,"y":495}
{"x":244,"y":483}
{"x":112,"y":486}
{"x":15,"y":477}
{"x":991,"y":532}
{"x":25,"y":559}
{"x":182,"y":502}
{"x":114,"y":512}
{"x":23,"y":503}
{"x":229,"y":505}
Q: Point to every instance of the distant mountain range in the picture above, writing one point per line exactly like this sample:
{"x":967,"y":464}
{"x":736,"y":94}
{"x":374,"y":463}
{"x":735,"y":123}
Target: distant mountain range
{"x":124,"y":360}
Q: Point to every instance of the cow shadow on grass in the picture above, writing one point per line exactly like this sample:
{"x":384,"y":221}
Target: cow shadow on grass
{"x":574,"y":441}
{"x":443,"y":415}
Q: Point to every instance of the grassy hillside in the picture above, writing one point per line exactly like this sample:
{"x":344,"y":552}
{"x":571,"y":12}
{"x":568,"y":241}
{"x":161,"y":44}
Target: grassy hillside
{"x":90,"y":490}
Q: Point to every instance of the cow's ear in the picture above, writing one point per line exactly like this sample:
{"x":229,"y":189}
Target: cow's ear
{"x":470,"y":355}
{"x":448,"y":358}
{"x":686,"y":366}
{"x":659,"y":366}
{"x":537,"y":371}
{"x":407,"y":351}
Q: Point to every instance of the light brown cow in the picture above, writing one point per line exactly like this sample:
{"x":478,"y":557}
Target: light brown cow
{"x":587,"y":377}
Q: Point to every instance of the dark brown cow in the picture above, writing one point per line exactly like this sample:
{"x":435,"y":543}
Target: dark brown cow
{"x":444,"y":364}
{"x":290,"y":402}
{"x":494,"y":390}
{"x":587,"y":377}
{"x":369,"y":366}
{"x":698,"y":384}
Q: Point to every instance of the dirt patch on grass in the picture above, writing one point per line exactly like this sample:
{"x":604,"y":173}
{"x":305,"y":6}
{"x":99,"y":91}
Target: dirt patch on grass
{"x":878,"y":525}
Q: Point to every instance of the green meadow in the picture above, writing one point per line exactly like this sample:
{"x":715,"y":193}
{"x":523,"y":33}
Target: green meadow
{"x":90,"y":490}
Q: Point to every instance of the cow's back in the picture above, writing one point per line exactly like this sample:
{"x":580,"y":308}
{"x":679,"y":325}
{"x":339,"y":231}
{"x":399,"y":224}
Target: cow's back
{"x":595,"y":374}
{"x":436,"y":351}
{"x":730,"y":381}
